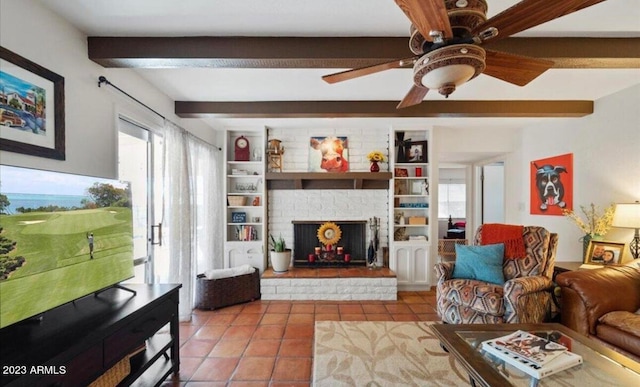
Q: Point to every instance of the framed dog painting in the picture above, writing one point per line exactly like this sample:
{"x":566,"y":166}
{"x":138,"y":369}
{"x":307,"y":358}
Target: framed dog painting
{"x":552,"y":185}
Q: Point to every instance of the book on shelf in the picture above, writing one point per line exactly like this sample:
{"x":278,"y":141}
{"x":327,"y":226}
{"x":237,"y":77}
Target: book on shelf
{"x":534,"y":355}
{"x":246,"y":233}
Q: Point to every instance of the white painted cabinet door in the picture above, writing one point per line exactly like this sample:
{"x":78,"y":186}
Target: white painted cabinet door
{"x":411,"y":264}
{"x":250,"y":253}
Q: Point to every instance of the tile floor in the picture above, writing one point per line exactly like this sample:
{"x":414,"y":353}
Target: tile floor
{"x":270,"y":343}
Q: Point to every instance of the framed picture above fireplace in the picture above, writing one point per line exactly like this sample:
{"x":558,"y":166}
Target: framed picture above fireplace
{"x":329,"y":154}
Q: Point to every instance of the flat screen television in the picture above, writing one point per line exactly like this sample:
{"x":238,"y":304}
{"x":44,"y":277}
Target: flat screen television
{"x":62,"y":237}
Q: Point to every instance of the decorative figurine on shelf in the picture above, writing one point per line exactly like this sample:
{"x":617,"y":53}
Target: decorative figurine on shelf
{"x":425,"y":187}
{"x":274,"y":155}
{"x":401,"y":143}
{"x":257,"y":154}
{"x":242,"y":149}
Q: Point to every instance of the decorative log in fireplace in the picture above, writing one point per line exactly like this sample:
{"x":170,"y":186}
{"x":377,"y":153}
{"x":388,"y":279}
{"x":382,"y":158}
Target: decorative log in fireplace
{"x":353,"y":242}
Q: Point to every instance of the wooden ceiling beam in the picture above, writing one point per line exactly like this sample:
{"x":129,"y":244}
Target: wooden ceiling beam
{"x":337,"y":52}
{"x":330,"y":109}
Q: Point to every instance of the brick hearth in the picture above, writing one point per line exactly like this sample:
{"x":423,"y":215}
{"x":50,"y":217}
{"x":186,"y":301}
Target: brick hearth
{"x":337,"y":284}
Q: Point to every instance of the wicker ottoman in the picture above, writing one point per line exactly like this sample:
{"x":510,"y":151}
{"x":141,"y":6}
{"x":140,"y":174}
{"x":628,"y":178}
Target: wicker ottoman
{"x":216,"y":293}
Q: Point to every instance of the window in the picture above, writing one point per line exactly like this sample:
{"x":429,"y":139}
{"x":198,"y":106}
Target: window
{"x":452,"y":200}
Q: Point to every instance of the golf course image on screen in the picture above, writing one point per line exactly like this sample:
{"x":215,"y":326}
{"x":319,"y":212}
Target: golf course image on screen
{"x":62,"y":236}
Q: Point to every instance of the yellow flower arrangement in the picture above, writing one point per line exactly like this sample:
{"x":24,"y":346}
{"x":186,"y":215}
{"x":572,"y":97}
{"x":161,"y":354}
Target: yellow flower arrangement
{"x":596,"y":222}
{"x":376,"y":156}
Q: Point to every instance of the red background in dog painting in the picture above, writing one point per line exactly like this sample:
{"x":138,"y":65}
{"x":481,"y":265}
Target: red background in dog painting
{"x":566,"y":179}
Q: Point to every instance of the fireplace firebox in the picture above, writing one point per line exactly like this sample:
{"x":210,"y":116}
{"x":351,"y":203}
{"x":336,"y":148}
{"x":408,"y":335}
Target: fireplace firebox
{"x":351,"y":250}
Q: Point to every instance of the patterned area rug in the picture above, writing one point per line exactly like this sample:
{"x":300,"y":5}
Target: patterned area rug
{"x":381,"y":353}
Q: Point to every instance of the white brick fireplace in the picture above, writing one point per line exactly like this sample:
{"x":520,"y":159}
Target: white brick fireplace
{"x":286,"y":206}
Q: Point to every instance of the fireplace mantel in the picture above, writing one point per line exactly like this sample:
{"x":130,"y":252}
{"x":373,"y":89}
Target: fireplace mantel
{"x":318,"y":180}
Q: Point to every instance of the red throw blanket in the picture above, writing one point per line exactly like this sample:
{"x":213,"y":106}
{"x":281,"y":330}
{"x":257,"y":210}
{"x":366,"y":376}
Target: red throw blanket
{"x":510,"y":235}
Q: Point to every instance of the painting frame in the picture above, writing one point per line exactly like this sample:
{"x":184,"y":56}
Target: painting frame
{"x":421,"y":147}
{"x":46,"y":138}
{"x":551,"y":185}
{"x":328,"y":154}
{"x":592,"y":257}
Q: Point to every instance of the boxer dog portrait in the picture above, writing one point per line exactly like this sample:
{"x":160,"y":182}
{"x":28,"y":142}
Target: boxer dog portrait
{"x":549,"y":186}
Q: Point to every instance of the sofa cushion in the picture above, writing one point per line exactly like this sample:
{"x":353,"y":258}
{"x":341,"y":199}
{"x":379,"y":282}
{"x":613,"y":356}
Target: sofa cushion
{"x":482,"y":263}
{"x":623,"y":320}
{"x":623,"y":342}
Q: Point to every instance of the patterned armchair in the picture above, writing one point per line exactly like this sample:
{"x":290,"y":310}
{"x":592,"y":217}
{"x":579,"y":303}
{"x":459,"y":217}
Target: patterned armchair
{"x":525,"y":297}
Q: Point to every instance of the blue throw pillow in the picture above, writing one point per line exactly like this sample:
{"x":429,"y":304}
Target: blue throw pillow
{"x":482,"y":263}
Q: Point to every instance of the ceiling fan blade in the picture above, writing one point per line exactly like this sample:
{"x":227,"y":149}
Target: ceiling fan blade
{"x":530,"y":13}
{"x":413,"y":97}
{"x":427,"y":16}
{"x":515,"y":69}
{"x":355,"y":73}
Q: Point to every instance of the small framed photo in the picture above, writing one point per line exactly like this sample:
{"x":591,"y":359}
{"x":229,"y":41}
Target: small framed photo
{"x":417,"y":187}
{"x":604,"y":253}
{"x":416,"y":152}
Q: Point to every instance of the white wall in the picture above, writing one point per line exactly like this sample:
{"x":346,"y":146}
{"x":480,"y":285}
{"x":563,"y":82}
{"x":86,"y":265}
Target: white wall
{"x":606,"y":162}
{"x":34,"y":32}
{"x":493,"y":195}
{"x":606,"y":156}
{"x":330,"y":205}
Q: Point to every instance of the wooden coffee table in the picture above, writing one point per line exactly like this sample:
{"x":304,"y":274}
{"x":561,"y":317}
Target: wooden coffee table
{"x":463,"y":341}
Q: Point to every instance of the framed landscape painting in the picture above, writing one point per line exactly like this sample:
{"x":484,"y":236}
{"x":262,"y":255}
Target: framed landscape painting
{"x":31,"y":108}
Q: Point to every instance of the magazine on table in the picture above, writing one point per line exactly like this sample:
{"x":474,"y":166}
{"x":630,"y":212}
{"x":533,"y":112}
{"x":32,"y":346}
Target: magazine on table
{"x":561,"y":362}
{"x":537,"y":350}
{"x":537,"y":356}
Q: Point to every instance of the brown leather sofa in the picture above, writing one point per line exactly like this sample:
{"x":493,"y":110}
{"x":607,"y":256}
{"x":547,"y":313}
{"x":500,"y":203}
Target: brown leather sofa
{"x":604,"y":304}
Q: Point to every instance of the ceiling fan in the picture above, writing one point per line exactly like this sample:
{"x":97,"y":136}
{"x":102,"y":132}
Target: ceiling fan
{"x":447,"y":38}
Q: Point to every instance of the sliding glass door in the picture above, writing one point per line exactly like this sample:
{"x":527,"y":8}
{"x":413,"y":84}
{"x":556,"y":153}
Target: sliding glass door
{"x":139,"y":162}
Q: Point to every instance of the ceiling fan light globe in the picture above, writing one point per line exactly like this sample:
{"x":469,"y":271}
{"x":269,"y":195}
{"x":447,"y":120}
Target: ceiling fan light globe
{"x":448,"y":75}
{"x":449,"y":67}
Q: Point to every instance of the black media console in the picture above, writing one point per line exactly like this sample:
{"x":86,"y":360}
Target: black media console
{"x":76,"y":343}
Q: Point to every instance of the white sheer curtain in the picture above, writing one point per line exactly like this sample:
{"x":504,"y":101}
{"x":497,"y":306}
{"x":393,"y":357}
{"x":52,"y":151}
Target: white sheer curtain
{"x":192,"y":197}
{"x":205,"y":163}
